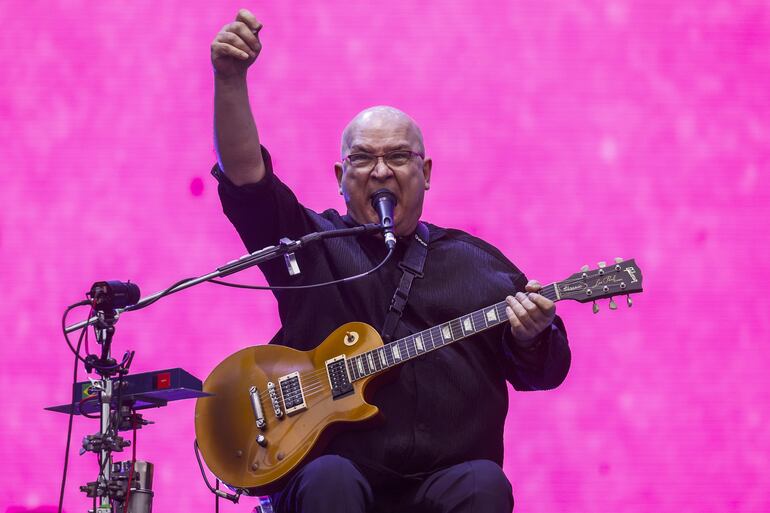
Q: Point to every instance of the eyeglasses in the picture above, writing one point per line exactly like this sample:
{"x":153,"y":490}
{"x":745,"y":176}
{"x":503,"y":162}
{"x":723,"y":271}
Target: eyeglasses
{"x":393,"y":159}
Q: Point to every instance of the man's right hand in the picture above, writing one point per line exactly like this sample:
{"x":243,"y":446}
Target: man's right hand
{"x":236,"y":46}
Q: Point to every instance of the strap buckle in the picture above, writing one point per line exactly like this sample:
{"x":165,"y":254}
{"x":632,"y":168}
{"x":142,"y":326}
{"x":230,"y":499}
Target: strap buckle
{"x":398,"y":302}
{"x":406,"y":268}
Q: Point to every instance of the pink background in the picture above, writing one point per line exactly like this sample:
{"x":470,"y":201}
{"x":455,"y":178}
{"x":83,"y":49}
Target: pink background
{"x":563,"y":131}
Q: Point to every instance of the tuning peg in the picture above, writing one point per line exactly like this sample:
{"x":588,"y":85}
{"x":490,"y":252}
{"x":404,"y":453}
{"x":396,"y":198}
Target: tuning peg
{"x":618,"y":260}
{"x":584,"y":268}
{"x":613,"y":304}
{"x":602,"y":265}
{"x":629,"y":302}
{"x":595,"y":308}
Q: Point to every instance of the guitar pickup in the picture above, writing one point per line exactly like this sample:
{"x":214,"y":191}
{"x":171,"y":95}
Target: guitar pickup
{"x":291,"y":390}
{"x":339,"y":379}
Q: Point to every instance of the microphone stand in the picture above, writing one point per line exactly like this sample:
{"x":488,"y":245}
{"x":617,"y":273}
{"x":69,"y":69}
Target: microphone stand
{"x":105,"y":442}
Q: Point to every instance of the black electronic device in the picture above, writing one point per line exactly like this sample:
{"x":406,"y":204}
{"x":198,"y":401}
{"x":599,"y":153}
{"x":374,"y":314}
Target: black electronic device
{"x":144,"y":390}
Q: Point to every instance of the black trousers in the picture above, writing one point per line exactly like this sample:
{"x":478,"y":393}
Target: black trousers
{"x":332,"y":484}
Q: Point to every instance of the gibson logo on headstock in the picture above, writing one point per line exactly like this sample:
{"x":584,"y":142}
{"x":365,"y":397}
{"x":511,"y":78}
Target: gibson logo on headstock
{"x":573,"y":287}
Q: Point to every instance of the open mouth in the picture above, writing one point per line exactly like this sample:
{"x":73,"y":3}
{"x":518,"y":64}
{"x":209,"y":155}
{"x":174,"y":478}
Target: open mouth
{"x":380,"y":198}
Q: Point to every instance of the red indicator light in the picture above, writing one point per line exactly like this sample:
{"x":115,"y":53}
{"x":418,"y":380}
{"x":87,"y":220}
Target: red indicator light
{"x":163,"y":380}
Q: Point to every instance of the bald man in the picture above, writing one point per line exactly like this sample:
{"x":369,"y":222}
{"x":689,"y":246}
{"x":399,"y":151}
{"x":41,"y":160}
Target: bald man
{"x":440,"y":447}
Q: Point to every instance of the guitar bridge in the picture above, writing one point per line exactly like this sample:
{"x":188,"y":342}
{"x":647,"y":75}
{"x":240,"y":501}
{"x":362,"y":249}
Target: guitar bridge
{"x":256,"y":408}
{"x":291,"y":390}
{"x":339,"y":379}
{"x":274,"y":399}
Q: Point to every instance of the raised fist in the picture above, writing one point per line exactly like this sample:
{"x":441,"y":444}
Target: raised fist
{"x":236,"y":46}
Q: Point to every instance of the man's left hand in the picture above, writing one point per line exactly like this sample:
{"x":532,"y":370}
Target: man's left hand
{"x":529,"y":314}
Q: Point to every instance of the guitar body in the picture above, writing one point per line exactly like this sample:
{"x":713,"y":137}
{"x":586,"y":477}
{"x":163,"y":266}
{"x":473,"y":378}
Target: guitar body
{"x":225,"y":424}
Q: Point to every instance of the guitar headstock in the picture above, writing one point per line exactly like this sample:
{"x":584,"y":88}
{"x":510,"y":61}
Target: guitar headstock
{"x":606,"y":281}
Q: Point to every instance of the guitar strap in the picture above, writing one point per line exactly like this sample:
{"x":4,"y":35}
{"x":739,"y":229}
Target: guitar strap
{"x":412,"y":265}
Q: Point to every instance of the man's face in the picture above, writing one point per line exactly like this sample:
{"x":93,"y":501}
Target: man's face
{"x":378,"y":134}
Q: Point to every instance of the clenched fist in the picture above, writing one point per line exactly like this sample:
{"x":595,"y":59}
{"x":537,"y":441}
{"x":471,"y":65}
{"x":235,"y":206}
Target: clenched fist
{"x":236,"y":46}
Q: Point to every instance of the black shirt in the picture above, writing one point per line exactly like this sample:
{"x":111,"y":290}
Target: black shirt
{"x":443,"y":408}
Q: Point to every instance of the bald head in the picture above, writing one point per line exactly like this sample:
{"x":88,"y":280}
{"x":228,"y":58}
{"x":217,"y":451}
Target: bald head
{"x":381,"y":117}
{"x":380,"y":131}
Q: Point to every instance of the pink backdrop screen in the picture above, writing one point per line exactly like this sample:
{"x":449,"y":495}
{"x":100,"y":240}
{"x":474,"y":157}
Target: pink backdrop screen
{"x":563,"y":132}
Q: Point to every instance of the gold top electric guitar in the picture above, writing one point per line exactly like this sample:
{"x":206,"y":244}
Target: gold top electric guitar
{"x":274,"y":406}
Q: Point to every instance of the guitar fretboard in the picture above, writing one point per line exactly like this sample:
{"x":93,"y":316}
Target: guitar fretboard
{"x":401,"y":350}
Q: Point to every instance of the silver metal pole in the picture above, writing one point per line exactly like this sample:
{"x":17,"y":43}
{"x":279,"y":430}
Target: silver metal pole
{"x":105,"y":455}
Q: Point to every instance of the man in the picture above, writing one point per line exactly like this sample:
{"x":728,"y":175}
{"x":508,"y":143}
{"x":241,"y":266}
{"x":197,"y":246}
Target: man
{"x":440,"y":446}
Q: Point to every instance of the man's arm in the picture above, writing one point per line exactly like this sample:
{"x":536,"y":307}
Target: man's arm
{"x":536,"y":341}
{"x":233,"y":50}
{"x":529,"y":314}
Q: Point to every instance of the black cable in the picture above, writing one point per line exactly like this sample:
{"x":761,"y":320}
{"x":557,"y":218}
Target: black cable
{"x":84,"y":401}
{"x":104,"y":368}
{"x":299,"y":287}
{"x":88,"y":350}
{"x":131,"y":308}
{"x":219,"y":493}
{"x":200,"y":465}
{"x":133,"y":464}
{"x":72,"y":414}
{"x":115,"y":426}
{"x":64,"y":328}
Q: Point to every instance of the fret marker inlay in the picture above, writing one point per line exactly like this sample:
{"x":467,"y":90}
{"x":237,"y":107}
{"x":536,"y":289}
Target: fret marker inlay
{"x":381,"y":352}
{"x":402,"y":350}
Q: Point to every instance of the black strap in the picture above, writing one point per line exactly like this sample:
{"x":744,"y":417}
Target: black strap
{"x":412,"y":265}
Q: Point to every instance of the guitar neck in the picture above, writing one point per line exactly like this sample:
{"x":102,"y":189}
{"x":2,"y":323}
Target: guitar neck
{"x":399,"y":351}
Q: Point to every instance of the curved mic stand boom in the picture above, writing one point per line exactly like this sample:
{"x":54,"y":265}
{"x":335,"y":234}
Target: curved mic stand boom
{"x":286,"y":248}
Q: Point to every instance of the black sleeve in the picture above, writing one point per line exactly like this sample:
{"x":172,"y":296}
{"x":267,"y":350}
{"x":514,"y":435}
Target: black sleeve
{"x":542,"y":367}
{"x":262,"y":212}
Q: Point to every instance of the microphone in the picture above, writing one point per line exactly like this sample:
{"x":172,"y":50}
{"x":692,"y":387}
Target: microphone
{"x":383,"y":202}
{"x":110,"y":295}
